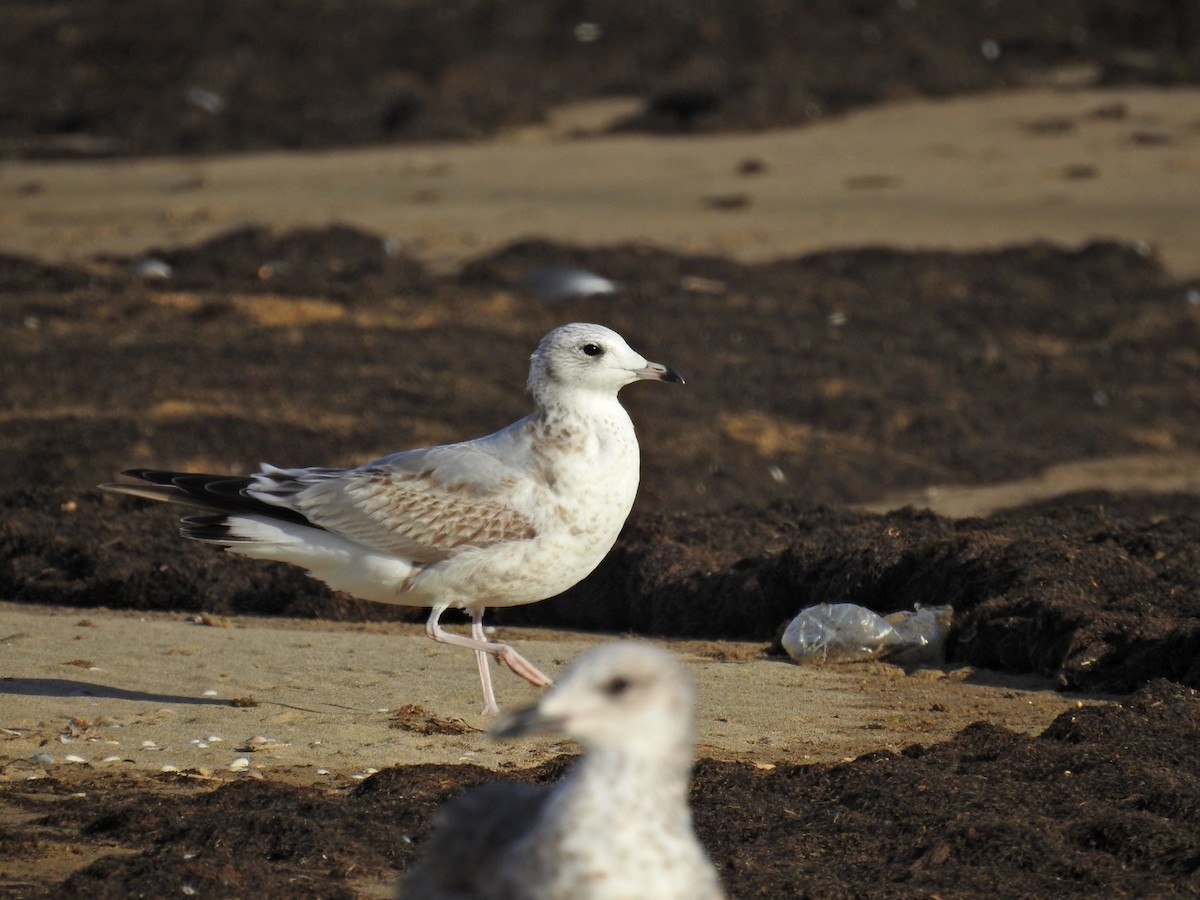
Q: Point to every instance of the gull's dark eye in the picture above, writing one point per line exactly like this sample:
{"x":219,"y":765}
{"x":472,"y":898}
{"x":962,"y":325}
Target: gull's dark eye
{"x":616,"y":687}
{"x":592,"y":349}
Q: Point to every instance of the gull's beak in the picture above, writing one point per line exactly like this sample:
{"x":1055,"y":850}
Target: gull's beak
{"x":525,"y":721}
{"x":658,"y":372}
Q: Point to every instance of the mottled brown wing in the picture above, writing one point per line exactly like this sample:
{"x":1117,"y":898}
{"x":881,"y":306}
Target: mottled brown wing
{"x":413,"y":514}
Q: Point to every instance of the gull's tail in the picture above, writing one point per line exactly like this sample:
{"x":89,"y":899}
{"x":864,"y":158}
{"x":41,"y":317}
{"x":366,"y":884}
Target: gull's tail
{"x":236,"y":520}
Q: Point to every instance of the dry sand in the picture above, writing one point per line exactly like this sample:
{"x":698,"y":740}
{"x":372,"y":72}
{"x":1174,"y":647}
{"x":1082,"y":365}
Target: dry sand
{"x":967,"y":173}
{"x":149,"y":691}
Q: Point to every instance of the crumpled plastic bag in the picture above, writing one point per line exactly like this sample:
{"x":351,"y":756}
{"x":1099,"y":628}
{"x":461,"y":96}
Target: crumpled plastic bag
{"x":847,"y":632}
{"x":920,"y":635}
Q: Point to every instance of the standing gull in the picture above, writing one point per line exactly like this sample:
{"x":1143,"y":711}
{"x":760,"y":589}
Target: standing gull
{"x":618,"y":826}
{"x":502,"y":520}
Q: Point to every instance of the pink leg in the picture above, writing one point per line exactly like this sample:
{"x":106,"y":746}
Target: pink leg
{"x":483,"y":649}
{"x":490,"y":706}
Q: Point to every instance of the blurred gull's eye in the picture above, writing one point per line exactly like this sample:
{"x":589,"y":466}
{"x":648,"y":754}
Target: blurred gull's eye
{"x":592,"y":349}
{"x":616,"y":687}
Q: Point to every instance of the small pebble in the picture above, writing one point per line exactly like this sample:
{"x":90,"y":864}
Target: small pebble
{"x":588,"y":32}
{"x":727,"y":201}
{"x":71,"y":757}
{"x":210,"y":693}
{"x":202,"y":98}
{"x":111,"y":759}
{"x":169,"y":768}
{"x":322,"y":771}
{"x":42,"y":758}
{"x":698,"y":285}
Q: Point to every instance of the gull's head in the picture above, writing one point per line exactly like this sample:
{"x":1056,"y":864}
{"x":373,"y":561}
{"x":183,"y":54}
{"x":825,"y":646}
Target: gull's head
{"x":593,"y":357}
{"x":624,"y":696}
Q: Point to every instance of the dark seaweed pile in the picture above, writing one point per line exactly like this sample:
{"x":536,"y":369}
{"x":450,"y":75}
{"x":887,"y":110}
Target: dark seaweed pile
{"x":90,"y":78}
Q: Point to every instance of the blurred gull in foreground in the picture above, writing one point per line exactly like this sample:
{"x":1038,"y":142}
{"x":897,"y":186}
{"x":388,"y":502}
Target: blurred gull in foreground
{"x":618,"y":826}
{"x":503,"y":520}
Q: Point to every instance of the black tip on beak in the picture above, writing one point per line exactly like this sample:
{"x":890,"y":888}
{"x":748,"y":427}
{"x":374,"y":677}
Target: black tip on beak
{"x":658,"y":372}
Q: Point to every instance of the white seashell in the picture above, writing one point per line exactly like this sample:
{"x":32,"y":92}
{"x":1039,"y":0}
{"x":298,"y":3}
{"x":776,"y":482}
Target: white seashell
{"x":559,"y":283}
{"x":152,"y":268}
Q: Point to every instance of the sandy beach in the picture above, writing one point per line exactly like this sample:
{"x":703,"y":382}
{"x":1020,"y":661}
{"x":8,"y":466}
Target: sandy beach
{"x":980,"y":172}
{"x":152,"y":691}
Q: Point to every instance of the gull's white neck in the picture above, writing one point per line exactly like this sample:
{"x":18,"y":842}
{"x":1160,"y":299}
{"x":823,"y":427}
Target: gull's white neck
{"x":663,"y":770}
{"x":558,"y":400}
{"x":588,"y":422}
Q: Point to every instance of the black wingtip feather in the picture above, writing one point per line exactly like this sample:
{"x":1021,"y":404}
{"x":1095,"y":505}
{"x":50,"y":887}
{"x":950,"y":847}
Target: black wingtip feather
{"x":221,"y":491}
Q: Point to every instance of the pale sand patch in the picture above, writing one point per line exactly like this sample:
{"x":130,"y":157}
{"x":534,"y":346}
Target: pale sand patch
{"x":1149,"y":472}
{"x":966,"y":173}
{"x":326,"y":693}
